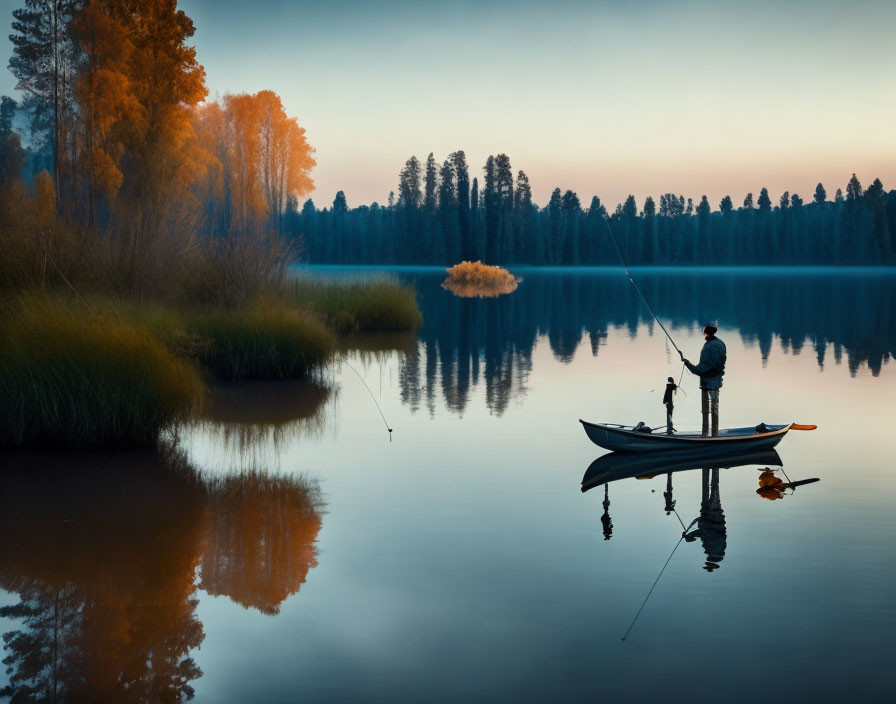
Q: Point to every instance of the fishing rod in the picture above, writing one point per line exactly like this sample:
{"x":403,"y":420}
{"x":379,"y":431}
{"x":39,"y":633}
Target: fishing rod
{"x":385,"y":422}
{"x":632,"y":282}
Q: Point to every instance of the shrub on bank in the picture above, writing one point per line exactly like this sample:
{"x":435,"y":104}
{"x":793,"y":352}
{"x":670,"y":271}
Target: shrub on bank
{"x":268,"y":340}
{"x":374,"y":306}
{"x":72,"y":376}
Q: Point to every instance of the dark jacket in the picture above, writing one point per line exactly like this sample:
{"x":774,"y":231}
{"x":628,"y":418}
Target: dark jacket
{"x":667,"y":397}
{"x":711,"y":367}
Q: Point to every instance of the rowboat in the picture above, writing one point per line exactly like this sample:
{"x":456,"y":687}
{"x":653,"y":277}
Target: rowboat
{"x":624,"y":438}
{"x":624,"y":465}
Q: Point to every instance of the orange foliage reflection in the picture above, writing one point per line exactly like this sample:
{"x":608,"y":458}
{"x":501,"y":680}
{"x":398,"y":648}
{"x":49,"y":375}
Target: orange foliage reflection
{"x":770,"y":487}
{"x":104,"y":565}
{"x":260,"y":544}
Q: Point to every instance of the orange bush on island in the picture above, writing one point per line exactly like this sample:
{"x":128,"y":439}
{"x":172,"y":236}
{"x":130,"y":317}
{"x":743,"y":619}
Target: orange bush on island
{"x":478,"y":280}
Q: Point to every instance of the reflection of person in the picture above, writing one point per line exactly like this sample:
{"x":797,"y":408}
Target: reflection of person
{"x":667,"y":495}
{"x":710,"y":369}
{"x":671,"y":388}
{"x":711,"y":523}
{"x":605,"y":520}
{"x":770,"y":486}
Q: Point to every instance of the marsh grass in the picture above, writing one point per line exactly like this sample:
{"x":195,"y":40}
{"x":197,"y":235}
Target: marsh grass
{"x":372,"y":306}
{"x":96,"y":371}
{"x":77,"y":376}
{"x":267,"y":340}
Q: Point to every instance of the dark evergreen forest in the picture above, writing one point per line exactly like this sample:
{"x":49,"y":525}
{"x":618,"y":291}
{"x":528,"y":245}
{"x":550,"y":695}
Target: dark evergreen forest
{"x":441,"y":216}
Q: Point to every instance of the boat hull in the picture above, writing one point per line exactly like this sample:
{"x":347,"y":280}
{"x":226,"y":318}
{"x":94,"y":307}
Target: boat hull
{"x":615,"y":466}
{"x":626,"y":439}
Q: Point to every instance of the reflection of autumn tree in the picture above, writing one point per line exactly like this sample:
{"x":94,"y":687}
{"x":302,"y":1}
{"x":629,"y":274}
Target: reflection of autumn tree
{"x":261,"y":540}
{"x":104,"y":565}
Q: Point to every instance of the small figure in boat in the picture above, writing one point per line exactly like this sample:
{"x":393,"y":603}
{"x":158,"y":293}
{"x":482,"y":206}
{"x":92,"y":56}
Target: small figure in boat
{"x":710,"y":369}
{"x":671,"y":388}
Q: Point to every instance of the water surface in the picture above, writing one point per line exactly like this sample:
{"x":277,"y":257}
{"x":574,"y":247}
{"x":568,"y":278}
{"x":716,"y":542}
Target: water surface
{"x":287,"y":547}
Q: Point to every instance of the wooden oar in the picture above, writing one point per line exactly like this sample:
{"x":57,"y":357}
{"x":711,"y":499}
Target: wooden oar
{"x":797,"y":426}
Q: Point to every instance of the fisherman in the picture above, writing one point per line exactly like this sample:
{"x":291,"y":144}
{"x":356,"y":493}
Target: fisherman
{"x":671,"y":388}
{"x":710,"y":369}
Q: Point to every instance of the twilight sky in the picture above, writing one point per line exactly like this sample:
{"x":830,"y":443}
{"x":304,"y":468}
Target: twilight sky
{"x":605,"y":97}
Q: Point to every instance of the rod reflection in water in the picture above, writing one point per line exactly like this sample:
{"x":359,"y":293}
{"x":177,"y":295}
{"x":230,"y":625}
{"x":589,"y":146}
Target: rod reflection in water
{"x":709,"y":525}
{"x":105,"y":560}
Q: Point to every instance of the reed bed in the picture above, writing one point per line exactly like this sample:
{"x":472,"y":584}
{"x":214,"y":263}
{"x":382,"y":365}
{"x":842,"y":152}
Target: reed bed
{"x":372,"y":306}
{"x":95,"y":371}
{"x":79,"y":377}
{"x":267,"y":340}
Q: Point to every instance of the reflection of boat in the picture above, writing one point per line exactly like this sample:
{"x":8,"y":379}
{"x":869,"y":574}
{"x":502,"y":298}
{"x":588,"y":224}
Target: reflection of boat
{"x":615,"y":466}
{"x":624,"y":438}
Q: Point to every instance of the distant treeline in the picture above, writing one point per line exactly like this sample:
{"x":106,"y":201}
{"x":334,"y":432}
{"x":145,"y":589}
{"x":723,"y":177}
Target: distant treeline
{"x":442,"y":216}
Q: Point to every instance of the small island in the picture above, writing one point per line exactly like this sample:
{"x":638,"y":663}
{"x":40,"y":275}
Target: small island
{"x":478,"y":280}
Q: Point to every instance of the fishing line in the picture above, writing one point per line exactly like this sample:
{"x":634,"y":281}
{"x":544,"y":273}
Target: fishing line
{"x":679,"y":520}
{"x":632,"y":281}
{"x":385,"y":422}
{"x":652,"y":588}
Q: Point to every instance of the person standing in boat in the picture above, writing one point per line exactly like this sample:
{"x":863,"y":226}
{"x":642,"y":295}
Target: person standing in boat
{"x":710,"y":369}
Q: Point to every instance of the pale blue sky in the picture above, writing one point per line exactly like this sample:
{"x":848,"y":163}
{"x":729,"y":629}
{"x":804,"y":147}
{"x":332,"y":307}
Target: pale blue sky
{"x":602,"y":97}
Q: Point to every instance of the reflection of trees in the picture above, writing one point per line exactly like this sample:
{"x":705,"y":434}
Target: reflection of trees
{"x":104,"y":563}
{"x":261,"y":538}
{"x":463,"y":339}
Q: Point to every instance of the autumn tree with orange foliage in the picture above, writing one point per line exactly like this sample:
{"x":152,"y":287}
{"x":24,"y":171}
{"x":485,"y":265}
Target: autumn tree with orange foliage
{"x":154,"y":178}
{"x":262,"y":158}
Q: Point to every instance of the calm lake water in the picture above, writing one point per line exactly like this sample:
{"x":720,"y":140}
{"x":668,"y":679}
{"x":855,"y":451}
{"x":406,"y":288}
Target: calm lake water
{"x":287,"y":548}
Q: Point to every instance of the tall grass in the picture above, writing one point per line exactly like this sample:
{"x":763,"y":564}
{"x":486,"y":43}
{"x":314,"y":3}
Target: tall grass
{"x":374,"y":306}
{"x":72,"y":376}
{"x":267,"y":340}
